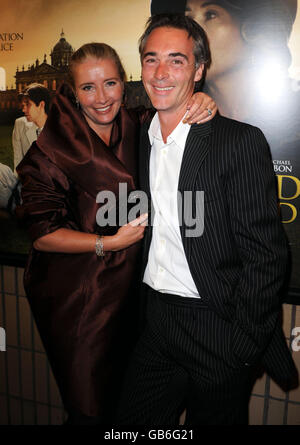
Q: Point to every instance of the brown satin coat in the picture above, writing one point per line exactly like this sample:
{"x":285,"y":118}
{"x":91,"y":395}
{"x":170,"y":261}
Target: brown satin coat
{"x":76,"y":298}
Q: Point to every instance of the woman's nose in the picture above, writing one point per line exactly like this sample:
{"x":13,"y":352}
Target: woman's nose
{"x":101,"y":95}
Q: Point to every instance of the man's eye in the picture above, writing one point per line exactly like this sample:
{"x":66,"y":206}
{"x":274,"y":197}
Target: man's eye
{"x":149,"y":60}
{"x":177,"y":62}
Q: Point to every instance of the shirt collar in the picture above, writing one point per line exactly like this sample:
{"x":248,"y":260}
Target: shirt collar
{"x":178,"y":135}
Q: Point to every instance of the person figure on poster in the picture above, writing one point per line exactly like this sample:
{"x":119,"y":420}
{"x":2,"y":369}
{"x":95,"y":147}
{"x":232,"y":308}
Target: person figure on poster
{"x":249,"y":47}
{"x":35,"y":106}
{"x":81,"y":277}
{"x":212,"y":294}
{"x":35,"y":102}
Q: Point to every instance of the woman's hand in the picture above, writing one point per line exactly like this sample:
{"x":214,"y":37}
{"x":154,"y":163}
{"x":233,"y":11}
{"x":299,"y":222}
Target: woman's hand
{"x":201,"y":108}
{"x":72,"y":241}
{"x":127,"y":235}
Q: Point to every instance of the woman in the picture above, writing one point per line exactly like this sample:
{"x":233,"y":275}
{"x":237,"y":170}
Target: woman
{"x":248,"y":40}
{"x":79,"y":273}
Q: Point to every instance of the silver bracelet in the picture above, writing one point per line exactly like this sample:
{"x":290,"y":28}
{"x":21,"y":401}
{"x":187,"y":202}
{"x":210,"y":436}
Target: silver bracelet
{"x":99,"y":246}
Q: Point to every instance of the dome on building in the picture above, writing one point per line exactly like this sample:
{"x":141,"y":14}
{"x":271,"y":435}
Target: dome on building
{"x":62,"y":52}
{"x":62,"y":45}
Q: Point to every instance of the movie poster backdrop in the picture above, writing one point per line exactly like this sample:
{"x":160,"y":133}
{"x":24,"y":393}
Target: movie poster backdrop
{"x":254,"y":77}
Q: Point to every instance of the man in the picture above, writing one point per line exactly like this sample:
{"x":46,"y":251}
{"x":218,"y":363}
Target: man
{"x":212,"y":295}
{"x":35,"y":106}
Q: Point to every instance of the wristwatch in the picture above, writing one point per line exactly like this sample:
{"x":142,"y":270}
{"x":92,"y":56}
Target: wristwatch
{"x":99,"y":246}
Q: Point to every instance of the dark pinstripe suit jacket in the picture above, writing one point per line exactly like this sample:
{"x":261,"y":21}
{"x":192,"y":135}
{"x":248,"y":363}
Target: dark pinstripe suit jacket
{"x":239,"y":262}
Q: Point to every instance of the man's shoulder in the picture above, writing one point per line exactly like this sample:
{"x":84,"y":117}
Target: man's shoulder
{"x":230,"y":135}
{"x":22,"y":123}
{"x":236,"y":127}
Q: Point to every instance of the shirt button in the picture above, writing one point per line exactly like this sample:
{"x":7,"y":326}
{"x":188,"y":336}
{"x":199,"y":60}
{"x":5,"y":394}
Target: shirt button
{"x":161,"y":270}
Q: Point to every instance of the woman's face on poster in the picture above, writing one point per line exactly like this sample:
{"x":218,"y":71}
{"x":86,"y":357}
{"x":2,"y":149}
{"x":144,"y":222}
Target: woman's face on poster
{"x":227,"y":45}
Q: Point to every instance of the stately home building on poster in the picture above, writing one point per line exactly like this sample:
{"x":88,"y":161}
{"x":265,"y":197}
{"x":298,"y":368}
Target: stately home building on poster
{"x":52,"y":75}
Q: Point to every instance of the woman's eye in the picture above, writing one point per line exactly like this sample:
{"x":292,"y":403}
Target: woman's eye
{"x":111,"y":83}
{"x":87,"y":88}
{"x":209,"y":15}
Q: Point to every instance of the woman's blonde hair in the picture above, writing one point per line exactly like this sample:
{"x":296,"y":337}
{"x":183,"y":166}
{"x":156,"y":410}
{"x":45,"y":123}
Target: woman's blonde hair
{"x":97,"y":51}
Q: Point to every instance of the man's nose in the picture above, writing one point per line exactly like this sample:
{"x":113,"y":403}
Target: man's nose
{"x":161,"y":71}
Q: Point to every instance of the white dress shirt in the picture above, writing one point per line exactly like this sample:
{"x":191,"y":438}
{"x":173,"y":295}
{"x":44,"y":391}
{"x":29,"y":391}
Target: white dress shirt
{"x":167,"y":270}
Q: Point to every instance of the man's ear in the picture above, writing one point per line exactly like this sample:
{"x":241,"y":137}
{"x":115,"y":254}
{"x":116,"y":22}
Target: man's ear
{"x":199,"y":73}
{"x":42,"y":105}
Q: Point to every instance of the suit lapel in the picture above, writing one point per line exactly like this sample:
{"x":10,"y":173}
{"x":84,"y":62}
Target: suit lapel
{"x":31,"y":132}
{"x":196,"y":149}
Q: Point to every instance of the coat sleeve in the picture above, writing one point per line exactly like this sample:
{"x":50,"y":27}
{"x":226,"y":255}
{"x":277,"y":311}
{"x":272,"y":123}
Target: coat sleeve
{"x":45,"y":195}
{"x":261,"y":244}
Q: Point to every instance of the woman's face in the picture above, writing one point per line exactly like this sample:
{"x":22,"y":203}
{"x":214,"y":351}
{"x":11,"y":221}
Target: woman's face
{"x":99,"y":89}
{"x":226,"y":43}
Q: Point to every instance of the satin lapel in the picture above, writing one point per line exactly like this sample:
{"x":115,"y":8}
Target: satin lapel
{"x":144,"y":171}
{"x":144,"y":152}
{"x":196,"y":149}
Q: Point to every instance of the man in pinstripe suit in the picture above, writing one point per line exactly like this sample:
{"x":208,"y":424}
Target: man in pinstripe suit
{"x":212,"y":299}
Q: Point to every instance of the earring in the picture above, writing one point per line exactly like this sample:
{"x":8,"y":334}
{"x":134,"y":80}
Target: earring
{"x":77,"y":103}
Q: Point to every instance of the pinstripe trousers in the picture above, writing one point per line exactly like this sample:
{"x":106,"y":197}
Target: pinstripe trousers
{"x":183,"y":361}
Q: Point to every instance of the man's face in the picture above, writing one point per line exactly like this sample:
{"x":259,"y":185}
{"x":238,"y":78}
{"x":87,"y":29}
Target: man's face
{"x":168,"y":69}
{"x":31,"y":110}
{"x":228,"y":49}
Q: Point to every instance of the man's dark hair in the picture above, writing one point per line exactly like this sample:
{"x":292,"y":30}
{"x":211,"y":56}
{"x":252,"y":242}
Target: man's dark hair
{"x":180,"y":21}
{"x":167,"y":6}
{"x":37,"y":92}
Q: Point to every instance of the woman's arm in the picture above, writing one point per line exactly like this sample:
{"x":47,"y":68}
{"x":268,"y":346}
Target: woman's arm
{"x":71,"y":241}
{"x":200,"y":109}
{"x":47,"y":212}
